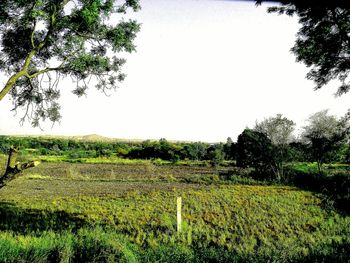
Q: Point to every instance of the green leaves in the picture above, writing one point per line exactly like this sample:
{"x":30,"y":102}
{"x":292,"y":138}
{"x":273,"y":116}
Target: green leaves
{"x":254,"y":149}
{"x":323,"y":41}
{"x":324,"y":135}
{"x":88,"y":63}
{"x":75,"y":35}
{"x":90,"y":13}
{"x":121,"y":37}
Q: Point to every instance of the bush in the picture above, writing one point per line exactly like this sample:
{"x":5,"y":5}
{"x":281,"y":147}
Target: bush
{"x":335,"y":185}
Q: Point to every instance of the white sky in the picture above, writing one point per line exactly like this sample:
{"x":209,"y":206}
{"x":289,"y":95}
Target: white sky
{"x":203,"y":71}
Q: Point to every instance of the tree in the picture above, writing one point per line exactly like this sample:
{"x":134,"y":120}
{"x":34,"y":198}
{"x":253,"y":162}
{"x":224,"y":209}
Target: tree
{"x":279,"y":130}
{"x":254,"y":149}
{"x":216,"y":154}
{"x":324,"y":134}
{"x":298,"y":152}
{"x":44,"y":41}
{"x":195,"y":151}
{"x":230,"y":149}
{"x":323,"y":40}
{"x":168,"y":151}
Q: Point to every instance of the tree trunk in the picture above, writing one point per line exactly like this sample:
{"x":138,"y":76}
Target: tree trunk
{"x":13,"y":168}
{"x":11,"y":162}
{"x":10,"y":83}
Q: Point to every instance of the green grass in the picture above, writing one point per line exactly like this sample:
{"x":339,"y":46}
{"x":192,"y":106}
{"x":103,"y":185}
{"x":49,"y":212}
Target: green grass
{"x":65,"y":158}
{"x":86,"y":245}
{"x":117,"y":160}
{"x":127,"y":212}
{"x":312,"y":167}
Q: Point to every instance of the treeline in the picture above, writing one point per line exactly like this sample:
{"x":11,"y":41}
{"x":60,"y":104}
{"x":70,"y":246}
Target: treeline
{"x":245,"y":151}
{"x":162,"y":149}
{"x":265,"y":147}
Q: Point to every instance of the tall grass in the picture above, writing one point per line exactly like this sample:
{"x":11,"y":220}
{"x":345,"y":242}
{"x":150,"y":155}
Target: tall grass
{"x":87,"y":245}
{"x":246,"y":223}
{"x":63,"y":213}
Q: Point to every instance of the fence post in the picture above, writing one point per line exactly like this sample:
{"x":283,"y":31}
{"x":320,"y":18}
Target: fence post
{"x":178,"y":215}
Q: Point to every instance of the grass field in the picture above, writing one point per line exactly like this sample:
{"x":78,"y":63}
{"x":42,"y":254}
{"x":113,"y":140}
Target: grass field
{"x":113,"y":212}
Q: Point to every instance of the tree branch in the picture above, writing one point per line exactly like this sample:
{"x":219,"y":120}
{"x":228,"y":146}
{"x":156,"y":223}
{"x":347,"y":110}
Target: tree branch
{"x":24,"y":72}
{"x":14,"y":168}
{"x":10,"y":83}
{"x":33,"y":35}
{"x":34,"y":25}
{"x":48,"y":69}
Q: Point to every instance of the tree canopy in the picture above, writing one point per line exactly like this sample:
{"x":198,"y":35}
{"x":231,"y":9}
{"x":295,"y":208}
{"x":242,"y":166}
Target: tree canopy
{"x":323,"y":40}
{"x":310,"y":4}
{"x":44,"y":41}
{"x":254,"y":149}
{"x":279,"y":130}
{"x":324,"y":134}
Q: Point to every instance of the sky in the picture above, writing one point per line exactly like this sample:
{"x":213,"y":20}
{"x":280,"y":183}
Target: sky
{"x":204,"y":70}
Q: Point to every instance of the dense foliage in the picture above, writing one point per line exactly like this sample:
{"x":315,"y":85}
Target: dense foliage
{"x":254,"y":149}
{"x":279,"y":130}
{"x":323,"y":39}
{"x":325,"y":135}
{"x":162,"y":149}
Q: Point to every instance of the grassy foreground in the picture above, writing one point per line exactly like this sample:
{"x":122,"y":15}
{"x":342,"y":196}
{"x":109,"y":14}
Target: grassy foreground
{"x":61,"y":212}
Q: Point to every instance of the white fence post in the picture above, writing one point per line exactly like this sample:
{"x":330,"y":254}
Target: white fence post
{"x":179,"y":202}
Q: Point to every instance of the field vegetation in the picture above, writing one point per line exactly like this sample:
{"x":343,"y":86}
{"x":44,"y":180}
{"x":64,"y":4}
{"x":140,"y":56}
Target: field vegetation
{"x":264,"y":198}
{"x":112,"y":209}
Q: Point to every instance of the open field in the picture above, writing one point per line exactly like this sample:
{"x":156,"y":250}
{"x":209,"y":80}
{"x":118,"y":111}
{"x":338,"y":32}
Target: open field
{"x":62,"y":212}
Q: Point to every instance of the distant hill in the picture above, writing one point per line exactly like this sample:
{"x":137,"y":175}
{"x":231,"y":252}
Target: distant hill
{"x":92,"y":138}
{"x":89,"y":137}
{"x":100,"y":138}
